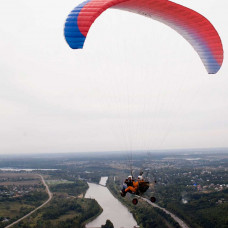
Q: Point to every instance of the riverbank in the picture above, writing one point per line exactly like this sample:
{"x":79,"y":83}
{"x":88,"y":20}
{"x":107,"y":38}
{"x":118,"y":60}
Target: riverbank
{"x":84,"y":224}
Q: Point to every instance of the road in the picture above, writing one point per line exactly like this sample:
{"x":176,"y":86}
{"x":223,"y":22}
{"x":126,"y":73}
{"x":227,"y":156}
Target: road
{"x":50,"y":195}
{"x":178,"y":220}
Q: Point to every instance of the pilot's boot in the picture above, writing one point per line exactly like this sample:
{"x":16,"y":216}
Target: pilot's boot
{"x":123,"y":193}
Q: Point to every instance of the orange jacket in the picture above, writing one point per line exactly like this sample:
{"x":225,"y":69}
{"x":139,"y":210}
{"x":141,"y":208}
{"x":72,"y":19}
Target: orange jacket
{"x":133,"y":188}
{"x":135,"y":184}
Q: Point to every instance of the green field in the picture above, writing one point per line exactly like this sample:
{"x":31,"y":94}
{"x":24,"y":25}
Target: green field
{"x":14,"y":209}
{"x":55,"y":182}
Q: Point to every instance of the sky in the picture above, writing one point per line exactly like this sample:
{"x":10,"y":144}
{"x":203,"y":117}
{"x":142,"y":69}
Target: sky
{"x":136,"y":85}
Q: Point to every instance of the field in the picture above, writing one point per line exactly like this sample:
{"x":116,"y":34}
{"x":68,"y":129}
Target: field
{"x":16,"y":179}
{"x":56,"y":182}
{"x":13,"y":209}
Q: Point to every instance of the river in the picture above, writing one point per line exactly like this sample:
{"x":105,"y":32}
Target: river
{"x":27,"y":170}
{"x":112,"y":208}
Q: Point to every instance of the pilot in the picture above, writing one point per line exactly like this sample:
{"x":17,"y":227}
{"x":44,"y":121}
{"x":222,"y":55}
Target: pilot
{"x":132,"y":186}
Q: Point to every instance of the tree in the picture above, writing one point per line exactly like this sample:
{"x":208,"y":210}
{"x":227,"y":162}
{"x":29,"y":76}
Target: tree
{"x":108,"y":224}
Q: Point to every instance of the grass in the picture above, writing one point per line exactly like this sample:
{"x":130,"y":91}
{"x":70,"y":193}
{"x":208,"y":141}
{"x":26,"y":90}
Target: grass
{"x":55,"y":182}
{"x":12,"y":209}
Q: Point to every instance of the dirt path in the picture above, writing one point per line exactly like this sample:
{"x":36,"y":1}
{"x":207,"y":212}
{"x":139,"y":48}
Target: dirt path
{"x":49,"y":198}
{"x":178,"y":220}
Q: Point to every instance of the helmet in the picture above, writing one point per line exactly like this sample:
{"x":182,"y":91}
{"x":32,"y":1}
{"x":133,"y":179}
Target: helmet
{"x":129,"y":177}
{"x":140,"y":178}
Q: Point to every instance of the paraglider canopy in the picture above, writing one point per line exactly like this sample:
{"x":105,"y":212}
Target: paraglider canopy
{"x":195,"y":28}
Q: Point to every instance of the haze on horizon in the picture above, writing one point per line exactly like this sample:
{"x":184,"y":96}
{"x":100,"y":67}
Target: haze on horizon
{"x":137,"y":84}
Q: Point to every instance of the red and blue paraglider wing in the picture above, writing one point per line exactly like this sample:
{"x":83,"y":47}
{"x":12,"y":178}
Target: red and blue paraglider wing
{"x":195,"y":28}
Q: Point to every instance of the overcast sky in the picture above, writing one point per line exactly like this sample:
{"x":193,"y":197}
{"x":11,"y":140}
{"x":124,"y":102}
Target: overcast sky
{"x":137,"y":84}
